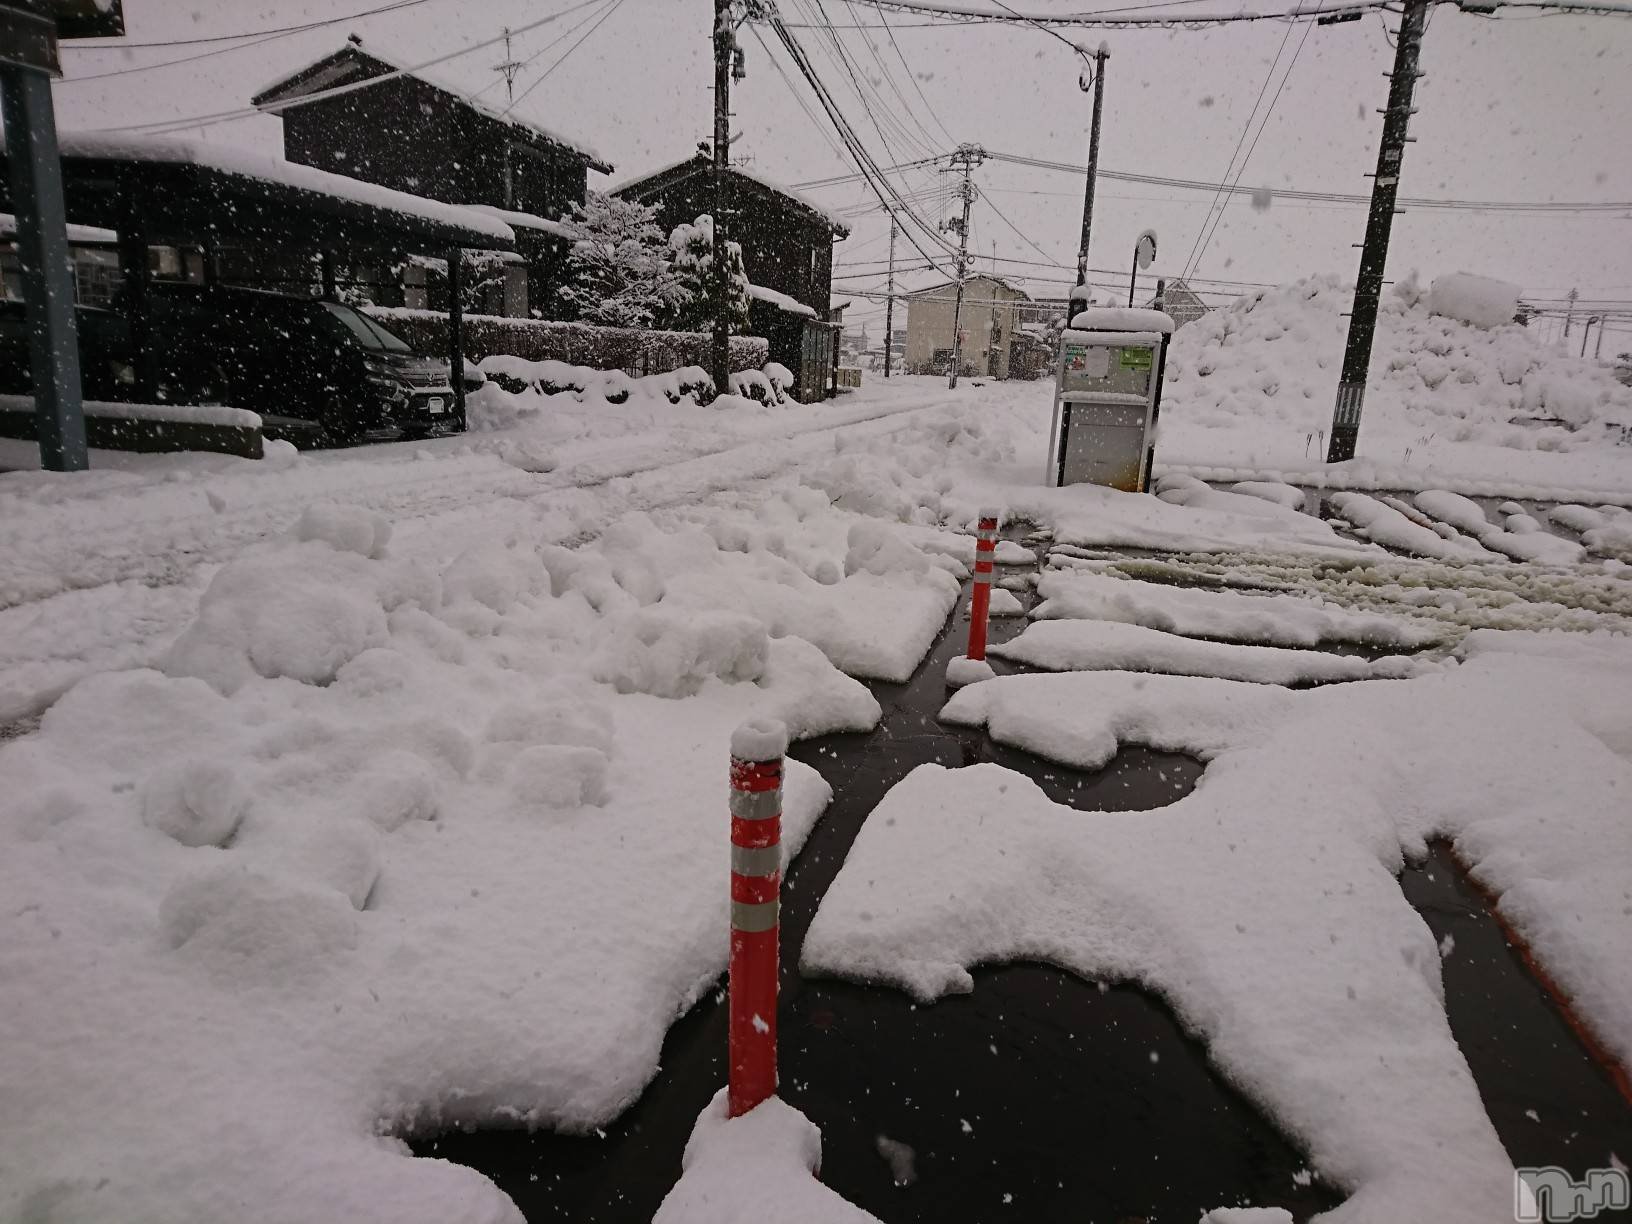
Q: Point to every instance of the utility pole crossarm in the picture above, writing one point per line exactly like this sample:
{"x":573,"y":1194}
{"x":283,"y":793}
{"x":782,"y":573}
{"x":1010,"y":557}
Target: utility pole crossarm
{"x":1385,"y":185}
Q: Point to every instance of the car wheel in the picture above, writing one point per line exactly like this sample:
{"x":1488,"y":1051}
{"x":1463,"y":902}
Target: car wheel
{"x":339,"y":425}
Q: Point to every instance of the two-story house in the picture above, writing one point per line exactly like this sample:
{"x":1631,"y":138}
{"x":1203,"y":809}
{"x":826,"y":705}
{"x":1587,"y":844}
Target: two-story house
{"x":989,"y":320}
{"x":416,"y":134}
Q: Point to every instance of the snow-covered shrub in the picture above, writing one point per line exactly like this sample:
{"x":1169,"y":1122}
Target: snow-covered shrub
{"x":301,"y":612}
{"x":198,"y":803}
{"x":253,"y":928}
{"x":580,"y":344}
{"x":671,"y":654}
{"x":348,"y":528}
{"x":753,"y":385}
{"x":781,"y":377}
{"x":874,"y":549}
{"x":619,"y":271}
{"x":559,"y":776}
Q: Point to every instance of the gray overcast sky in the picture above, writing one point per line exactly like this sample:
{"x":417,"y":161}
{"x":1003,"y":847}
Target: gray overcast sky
{"x":1526,"y":107}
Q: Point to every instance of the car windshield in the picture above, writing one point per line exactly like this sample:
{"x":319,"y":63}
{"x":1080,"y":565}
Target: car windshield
{"x":369,"y":333}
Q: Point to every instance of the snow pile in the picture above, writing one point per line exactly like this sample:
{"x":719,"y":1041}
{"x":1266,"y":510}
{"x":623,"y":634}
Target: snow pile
{"x":1479,"y":301}
{"x":1271,"y":620}
{"x":1263,"y":906}
{"x":1109,"y":646}
{"x":1519,"y":538}
{"x":761,"y":1166}
{"x":1265,"y":370}
{"x":400,"y":840}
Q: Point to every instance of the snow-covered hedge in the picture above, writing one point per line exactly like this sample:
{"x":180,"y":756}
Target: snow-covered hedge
{"x":579,"y":344}
{"x":515,"y":384}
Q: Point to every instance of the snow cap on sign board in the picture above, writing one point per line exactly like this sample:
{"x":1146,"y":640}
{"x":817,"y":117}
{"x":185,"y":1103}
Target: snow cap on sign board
{"x":1121,"y":319}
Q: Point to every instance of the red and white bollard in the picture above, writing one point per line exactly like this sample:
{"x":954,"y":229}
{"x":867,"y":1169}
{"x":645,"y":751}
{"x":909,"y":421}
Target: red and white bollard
{"x":757,"y":750}
{"x":973,"y":666}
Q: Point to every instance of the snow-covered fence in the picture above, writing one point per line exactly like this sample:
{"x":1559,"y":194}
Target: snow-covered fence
{"x":148,"y":427}
{"x":637,"y":352}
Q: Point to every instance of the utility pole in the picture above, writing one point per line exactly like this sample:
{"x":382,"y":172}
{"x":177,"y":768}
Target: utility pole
{"x":968,"y":156}
{"x":1100,"y":56}
{"x":889,"y":304}
{"x":1385,"y":185}
{"x":1569,"y":315}
{"x":724,"y":45}
{"x":509,"y":68}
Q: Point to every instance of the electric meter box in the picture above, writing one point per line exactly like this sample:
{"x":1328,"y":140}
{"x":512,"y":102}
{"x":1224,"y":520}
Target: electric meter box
{"x":1107,"y":394}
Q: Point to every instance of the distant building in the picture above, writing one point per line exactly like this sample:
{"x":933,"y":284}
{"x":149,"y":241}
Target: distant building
{"x":990,"y":321}
{"x":1182,"y":303}
{"x":416,"y":134}
{"x":787,"y":251}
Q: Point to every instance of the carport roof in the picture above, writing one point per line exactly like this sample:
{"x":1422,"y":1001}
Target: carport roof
{"x":187,"y":191}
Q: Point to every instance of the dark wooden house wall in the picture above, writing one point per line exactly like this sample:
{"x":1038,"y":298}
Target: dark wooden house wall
{"x":406,"y":134}
{"x":782,"y":248}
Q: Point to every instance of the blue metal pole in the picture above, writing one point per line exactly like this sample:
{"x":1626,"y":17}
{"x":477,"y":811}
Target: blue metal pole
{"x":48,"y":280}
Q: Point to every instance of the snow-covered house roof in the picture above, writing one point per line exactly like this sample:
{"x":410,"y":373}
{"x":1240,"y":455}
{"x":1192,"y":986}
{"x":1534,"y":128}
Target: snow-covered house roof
{"x":357,"y":62}
{"x":655,"y":180}
{"x":88,"y":235}
{"x":240,"y":162}
{"x":781,"y":301}
{"x":1022,"y":295}
{"x":529,"y":221}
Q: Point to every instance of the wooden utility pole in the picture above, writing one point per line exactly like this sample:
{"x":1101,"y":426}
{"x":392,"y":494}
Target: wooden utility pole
{"x":1100,"y":56}
{"x":889,"y":304}
{"x":724,"y":45}
{"x":968,"y":156}
{"x":1385,"y":185}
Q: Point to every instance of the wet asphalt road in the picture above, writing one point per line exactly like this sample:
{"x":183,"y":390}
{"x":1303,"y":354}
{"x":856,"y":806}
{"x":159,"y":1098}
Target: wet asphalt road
{"x":1038,"y":1097}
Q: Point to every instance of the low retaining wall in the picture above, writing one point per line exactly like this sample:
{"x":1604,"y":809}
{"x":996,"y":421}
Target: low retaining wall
{"x":637,"y":353}
{"x":147,"y":427}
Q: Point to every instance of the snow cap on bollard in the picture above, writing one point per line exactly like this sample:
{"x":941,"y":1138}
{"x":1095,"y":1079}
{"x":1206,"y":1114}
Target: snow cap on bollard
{"x":760,"y":739}
{"x":757,"y":750}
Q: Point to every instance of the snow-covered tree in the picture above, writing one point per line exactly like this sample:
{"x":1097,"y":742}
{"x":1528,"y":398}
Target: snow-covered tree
{"x":619,"y":271}
{"x":693,"y":253}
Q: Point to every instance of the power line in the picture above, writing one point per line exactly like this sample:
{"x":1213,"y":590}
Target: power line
{"x":1206,"y":241}
{"x":159,"y":127}
{"x":611,"y":7}
{"x":863,"y":160}
{"x":1293,"y":193}
{"x":121,"y":45}
{"x":1117,"y":16}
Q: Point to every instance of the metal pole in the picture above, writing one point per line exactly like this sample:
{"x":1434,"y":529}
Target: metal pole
{"x":724,"y":41}
{"x":1351,"y":385}
{"x":1133,"y":278}
{"x":48,"y":279}
{"x":1100,"y":56}
{"x":971,"y":157}
{"x":1569,"y":315}
{"x":1586,"y":332}
{"x":889,"y":304}
{"x":1598,"y":349}
{"x":456,"y":332}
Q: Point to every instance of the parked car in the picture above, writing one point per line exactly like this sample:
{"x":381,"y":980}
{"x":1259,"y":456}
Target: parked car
{"x":105,"y":368}
{"x":297,"y":357}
